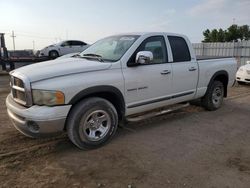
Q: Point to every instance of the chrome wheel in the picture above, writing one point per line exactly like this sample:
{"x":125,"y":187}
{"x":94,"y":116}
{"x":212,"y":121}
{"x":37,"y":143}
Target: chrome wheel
{"x":53,"y":54}
{"x":92,"y":123}
{"x":96,"y":125}
{"x":217,"y":96}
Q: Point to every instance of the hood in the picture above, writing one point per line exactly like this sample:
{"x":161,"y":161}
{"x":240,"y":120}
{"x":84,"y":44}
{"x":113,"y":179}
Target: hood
{"x":68,"y":55}
{"x":245,"y":67}
{"x":48,"y":46}
{"x":53,"y":45}
{"x":60,"y":67}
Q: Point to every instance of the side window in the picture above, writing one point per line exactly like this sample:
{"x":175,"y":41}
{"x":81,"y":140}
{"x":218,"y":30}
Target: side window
{"x":66,"y":43}
{"x":78,"y":43}
{"x":71,"y":43}
{"x":154,"y":44}
{"x":74,"y":43}
{"x":157,"y":46}
{"x":179,"y":48}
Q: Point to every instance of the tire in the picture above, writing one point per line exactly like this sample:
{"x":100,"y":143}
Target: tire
{"x":92,"y":123}
{"x":213,"y":98}
{"x":9,"y":66}
{"x":53,"y":54}
{"x":241,"y":83}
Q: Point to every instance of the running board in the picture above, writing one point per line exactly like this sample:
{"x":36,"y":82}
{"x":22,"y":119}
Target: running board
{"x":151,"y":114}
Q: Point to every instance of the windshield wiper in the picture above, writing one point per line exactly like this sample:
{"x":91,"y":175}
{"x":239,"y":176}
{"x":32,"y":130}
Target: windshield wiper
{"x":93,"y":56}
{"x":76,"y":55}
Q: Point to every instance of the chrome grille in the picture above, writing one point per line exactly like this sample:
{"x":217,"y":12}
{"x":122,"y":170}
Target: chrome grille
{"x":20,"y":90}
{"x":18,"y":82}
{"x":17,"y":90}
{"x":19,"y":95}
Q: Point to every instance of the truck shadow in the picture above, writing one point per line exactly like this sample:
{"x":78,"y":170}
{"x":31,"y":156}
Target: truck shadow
{"x":16,"y":147}
{"x":158,"y":121}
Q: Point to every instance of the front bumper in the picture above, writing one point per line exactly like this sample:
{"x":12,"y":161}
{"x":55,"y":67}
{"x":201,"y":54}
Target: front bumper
{"x":43,"y":52}
{"x":37,"y":121}
{"x":243,"y":77}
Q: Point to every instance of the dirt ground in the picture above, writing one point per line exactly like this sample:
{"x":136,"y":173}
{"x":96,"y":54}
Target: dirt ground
{"x":188,"y":148}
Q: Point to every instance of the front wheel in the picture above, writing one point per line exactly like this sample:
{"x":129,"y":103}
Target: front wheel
{"x":53,"y":54}
{"x":92,"y":123}
{"x":213,"y":98}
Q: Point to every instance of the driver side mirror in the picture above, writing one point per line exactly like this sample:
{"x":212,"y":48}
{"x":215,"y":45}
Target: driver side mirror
{"x":144,"y":57}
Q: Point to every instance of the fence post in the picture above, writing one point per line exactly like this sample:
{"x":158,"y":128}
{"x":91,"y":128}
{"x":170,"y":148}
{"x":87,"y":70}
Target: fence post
{"x":202,"y":49}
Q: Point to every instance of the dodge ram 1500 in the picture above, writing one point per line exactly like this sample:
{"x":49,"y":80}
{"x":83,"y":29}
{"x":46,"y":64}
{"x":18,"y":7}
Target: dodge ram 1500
{"x":120,"y":76}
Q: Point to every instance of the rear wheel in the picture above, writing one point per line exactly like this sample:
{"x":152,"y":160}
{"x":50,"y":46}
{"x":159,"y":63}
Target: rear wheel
{"x":92,"y":123}
{"x":213,"y":98}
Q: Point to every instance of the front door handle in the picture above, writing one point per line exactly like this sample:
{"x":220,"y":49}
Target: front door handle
{"x":192,"y":69}
{"x":165,"y":72}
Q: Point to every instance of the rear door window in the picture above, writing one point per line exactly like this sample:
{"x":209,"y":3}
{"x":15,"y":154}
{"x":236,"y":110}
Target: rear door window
{"x":179,"y":48}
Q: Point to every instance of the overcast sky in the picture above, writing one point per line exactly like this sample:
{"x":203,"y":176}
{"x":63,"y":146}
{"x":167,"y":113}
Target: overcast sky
{"x":49,"y":21}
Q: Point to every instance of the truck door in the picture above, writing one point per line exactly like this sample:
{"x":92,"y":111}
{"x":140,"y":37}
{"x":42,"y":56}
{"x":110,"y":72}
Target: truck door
{"x":147,"y":84}
{"x":185,"y":69}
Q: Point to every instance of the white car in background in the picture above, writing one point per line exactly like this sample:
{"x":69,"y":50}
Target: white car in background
{"x":243,"y":74}
{"x":63,"y":48}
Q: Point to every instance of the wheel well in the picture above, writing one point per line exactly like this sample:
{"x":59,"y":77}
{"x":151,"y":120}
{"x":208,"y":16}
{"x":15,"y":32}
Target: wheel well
{"x":111,"y":97}
{"x":221,"y":76}
{"x":109,"y":93}
{"x":53,"y":51}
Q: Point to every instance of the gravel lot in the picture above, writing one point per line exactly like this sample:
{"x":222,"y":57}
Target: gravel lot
{"x":188,"y":148}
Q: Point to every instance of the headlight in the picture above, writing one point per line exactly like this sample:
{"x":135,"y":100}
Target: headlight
{"x":48,"y":98}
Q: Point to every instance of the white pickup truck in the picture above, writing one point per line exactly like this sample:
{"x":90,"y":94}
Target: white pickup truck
{"x":118,"y":77}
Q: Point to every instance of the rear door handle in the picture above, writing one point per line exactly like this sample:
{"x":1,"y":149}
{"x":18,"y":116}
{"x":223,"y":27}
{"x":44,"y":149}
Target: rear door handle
{"x":165,"y":72}
{"x":192,"y":69}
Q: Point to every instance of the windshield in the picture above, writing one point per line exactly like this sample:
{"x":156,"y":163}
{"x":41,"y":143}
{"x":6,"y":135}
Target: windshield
{"x":110,"y":48}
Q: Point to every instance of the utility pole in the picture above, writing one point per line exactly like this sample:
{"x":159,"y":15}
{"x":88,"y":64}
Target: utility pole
{"x":13,"y":38}
{"x":33,"y":42}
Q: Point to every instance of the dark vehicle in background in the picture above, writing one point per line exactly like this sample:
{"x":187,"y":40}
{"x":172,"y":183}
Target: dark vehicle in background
{"x":21,"y":53}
